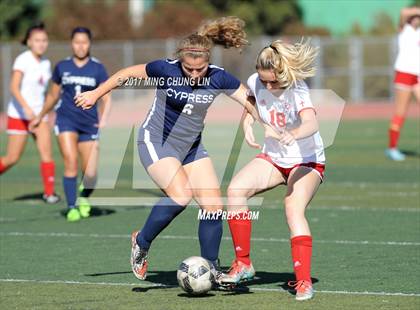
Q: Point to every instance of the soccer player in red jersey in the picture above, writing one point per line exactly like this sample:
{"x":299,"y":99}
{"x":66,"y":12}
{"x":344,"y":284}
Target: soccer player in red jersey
{"x":407,"y":76}
{"x":293,"y":155}
{"x":31,"y":73}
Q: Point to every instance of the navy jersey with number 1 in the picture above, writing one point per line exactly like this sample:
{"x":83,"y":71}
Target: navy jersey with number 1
{"x":75,"y":80}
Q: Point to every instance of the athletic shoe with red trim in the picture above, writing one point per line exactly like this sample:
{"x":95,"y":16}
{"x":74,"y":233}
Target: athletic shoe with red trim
{"x":304,"y":290}
{"x":138,"y":259}
{"x":238,"y":272}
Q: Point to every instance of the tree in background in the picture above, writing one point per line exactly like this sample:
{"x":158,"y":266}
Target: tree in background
{"x":262,"y":17}
{"x":268,"y":17}
{"x":383,"y":25}
{"x":174,"y":18}
{"x":107,"y":19}
{"x":110,"y":19}
{"x":17,"y":16}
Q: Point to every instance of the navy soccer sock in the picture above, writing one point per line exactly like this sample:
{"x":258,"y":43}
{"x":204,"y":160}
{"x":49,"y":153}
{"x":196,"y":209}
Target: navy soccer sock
{"x":210,"y":234}
{"x":88,"y":186}
{"x":70,"y":189}
{"x":164,"y":211}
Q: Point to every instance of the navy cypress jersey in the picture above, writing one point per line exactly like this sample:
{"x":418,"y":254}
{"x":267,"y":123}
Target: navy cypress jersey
{"x":179,"y":110}
{"x":75,"y":80}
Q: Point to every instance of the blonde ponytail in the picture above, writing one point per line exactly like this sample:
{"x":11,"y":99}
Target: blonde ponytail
{"x":225,"y":31}
{"x":290,"y":62}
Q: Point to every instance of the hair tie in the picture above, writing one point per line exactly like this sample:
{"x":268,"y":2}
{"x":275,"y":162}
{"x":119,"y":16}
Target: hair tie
{"x":274,"y":49}
{"x":193,"y":49}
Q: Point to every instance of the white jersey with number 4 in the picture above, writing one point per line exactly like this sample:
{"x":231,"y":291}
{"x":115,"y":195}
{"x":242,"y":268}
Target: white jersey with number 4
{"x":282,"y":112}
{"x":36,"y":74}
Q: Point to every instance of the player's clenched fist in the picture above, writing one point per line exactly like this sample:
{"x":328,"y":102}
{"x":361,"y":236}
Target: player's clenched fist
{"x":33,"y":124}
{"x":86,"y":100}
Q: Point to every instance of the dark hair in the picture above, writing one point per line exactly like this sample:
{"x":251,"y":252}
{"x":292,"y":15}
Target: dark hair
{"x":410,"y":19}
{"x":81,"y":30}
{"x":35,"y":27}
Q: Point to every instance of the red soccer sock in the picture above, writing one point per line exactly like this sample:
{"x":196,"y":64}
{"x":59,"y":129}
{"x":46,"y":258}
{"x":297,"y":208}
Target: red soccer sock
{"x":394,"y":136}
{"x":48,"y":174}
{"x":240,"y":229}
{"x":394,"y":132}
{"x":3,"y":168}
{"x":301,"y":256}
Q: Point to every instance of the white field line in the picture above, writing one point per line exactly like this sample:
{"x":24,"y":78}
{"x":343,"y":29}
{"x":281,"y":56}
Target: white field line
{"x":261,"y":289}
{"x":344,"y":208}
{"x":377,"y":184}
{"x":256,"y":202}
{"x":173,"y":237}
{"x":150,"y":201}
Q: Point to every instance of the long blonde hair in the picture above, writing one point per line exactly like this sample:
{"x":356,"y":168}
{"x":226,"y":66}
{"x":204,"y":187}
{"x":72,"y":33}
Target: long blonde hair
{"x":225,"y":31}
{"x":290,"y":62}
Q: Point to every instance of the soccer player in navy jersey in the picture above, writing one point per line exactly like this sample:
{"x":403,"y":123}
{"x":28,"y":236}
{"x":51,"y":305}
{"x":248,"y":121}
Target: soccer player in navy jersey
{"x":76,"y":129}
{"x":169,"y":141}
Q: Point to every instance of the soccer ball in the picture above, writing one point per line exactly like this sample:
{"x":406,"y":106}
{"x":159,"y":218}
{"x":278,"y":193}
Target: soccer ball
{"x":196,"y":275}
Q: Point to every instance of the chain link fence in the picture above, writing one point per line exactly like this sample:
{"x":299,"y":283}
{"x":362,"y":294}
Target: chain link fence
{"x":356,"y":68}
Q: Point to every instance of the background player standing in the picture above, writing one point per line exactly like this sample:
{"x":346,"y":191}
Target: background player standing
{"x":76,"y":129}
{"x":31,"y":73}
{"x":407,"y":76}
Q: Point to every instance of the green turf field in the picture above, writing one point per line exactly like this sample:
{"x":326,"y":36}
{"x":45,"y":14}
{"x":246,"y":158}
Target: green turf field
{"x":365,"y":222}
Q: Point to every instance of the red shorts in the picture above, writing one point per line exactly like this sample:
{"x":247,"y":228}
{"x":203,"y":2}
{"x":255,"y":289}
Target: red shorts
{"x":17,"y":126}
{"x":405,"y":80}
{"x":318,"y":168}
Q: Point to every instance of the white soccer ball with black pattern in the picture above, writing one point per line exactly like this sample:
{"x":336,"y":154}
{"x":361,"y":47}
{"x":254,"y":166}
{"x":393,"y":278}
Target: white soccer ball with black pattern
{"x":196,"y":275}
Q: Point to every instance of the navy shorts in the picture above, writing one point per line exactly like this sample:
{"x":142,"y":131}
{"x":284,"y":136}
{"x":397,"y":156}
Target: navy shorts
{"x":150,"y":150}
{"x":86,"y":131}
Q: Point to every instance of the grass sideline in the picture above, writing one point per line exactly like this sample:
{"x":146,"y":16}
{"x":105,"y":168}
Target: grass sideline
{"x":365,"y":220}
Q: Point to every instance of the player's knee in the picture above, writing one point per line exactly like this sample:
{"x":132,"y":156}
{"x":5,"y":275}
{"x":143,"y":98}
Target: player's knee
{"x":294,"y":209}
{"x":70,"y":165}
{"x":181,"y":197}
{"x":235,"y":191}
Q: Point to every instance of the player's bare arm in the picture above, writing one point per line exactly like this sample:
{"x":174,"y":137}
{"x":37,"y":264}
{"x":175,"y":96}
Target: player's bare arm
{"x":104,"y":109}
{"x":50,"y":101}
{"x":248,"y":121}
{"x":406,"y":13}
{"x":241,"y":96}
{"x":87,"y":99}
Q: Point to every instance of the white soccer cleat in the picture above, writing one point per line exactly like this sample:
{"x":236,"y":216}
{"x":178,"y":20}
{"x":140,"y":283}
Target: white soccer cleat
{"x":304,"y":289}
{"x":238,"y":272}
{"x":138,"y":259}
{"x":51,"y":199}
{"x":394,"y":154}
